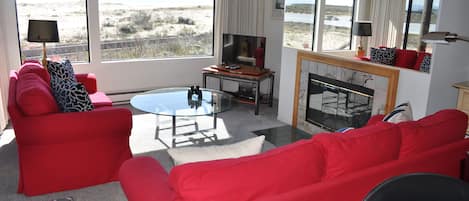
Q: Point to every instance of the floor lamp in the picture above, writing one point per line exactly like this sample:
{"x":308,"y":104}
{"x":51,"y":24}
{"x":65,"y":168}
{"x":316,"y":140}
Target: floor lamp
{"x":442,"y":37}
{"x":44,"y":31}
{"x":361,"y":29}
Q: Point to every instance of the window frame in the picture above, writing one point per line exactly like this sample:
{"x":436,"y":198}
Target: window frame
{"x":94,"y":41}
{"x":408,"y":22}
{"x":313,"y":31}
{"x":318,"y":27}
{"x":407,"y":25}
{"x":87,"y":34}
{"x":319,"y":46}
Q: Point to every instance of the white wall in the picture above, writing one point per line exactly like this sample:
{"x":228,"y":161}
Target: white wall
{"x":4,"y":70}
{"x":3,"y":83}
{"x":413,"y":87}
{"x":273,"y":30}
{"x":9,"y":27}
{"x":450,"y":63}
{"x":287,"y":85}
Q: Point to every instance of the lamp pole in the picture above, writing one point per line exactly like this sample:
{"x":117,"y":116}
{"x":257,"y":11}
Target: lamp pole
{"x":44,"y":55}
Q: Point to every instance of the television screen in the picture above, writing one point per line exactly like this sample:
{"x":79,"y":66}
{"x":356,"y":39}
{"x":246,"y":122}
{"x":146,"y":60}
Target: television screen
{"x":241,"y":49}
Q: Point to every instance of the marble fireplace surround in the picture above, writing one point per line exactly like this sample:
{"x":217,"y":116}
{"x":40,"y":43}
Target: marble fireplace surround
{"x":382,"y":79}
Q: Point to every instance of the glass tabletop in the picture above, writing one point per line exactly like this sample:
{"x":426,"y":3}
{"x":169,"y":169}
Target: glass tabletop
{"x":177,"y":102}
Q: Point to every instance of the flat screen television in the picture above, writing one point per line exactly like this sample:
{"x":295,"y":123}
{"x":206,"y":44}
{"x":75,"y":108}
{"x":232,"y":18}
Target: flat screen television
{"x":243,"y":49}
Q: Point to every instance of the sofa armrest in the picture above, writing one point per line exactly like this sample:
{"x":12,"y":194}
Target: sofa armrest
{"x":144,"y":179}
{"x":89,"y":80}
{"x":73,"y":127}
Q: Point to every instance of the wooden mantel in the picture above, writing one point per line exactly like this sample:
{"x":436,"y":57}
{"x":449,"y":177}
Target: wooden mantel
{"x":367,"y":67}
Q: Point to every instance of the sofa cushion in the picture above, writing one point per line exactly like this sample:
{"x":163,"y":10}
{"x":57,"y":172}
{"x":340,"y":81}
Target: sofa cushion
{"x":33,"y":95}
{"x":71,"y":96}
{"x":441,"y":128}
{"x":246,"y":147}
{"x":359,"y":148}
{"x":99,"y":99}
{"x":36,"y":69}
{"x":383,"y":55}
{"x":405,"y":58}
{"x":248,"y":178}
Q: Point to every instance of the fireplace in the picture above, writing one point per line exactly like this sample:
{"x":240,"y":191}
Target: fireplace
{"x":332,"y":104}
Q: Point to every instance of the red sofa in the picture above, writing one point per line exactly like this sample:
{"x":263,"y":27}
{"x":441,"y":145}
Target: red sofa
{"x":410,"y":59}
{"x":61,"y":151}
{"x":329,"y":167}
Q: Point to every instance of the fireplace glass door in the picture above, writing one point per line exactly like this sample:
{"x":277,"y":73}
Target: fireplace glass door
{"x":333,"y":104}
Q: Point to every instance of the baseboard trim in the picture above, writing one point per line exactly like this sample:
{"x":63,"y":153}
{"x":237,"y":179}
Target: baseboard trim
{"x":123,"y":97}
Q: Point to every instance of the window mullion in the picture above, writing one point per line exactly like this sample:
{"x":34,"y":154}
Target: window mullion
{"x":319,"y":25}
{"x":94,"y":39}
{"x":407,"y":25}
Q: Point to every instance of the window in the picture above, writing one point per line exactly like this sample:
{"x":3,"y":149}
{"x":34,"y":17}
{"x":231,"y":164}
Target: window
{"x":71,"y":22}
{"x":299,"y":24}
{"x":417,"y":23}
{"x":155,"y":29}
{"x":338,"y":20}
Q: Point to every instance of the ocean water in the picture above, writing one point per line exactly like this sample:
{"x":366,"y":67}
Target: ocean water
{"x":342,"y":21}
{"x":416,"y":5}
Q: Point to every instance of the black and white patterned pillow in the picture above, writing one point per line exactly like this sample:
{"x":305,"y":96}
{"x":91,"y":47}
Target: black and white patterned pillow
{"x":71,"y":96}
{"x":425,"y":66}
{"x":62,"y":70}
{"x":401,"y":113}
{"x":383,"y":55}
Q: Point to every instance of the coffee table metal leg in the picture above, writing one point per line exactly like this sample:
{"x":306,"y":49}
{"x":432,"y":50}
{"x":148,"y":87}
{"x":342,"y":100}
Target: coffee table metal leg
{"x":271,"y":95}
{"x":196,"y":125}
{"x":215,"y":120}
{"x":257,"y":98}
{"x":204,"y":76}
{"x":174,"y":126}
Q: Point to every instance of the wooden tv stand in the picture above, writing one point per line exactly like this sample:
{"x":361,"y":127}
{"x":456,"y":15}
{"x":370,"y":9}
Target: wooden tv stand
{"x":246,"y":74}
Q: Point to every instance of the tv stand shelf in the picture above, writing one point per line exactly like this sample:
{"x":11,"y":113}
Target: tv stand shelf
{"x":246,"y":74}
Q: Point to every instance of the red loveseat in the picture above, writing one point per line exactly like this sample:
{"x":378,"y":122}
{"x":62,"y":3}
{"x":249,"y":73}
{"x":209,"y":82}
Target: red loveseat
{"x":61,"y":151}
{"x":329,"y":167}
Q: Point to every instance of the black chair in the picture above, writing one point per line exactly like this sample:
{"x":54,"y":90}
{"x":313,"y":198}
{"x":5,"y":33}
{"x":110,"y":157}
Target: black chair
{"x":420,"y":187}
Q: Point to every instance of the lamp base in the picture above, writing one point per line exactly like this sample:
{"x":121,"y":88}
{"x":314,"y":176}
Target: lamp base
{"x":360,"y":52}
{"x":44,"y":56}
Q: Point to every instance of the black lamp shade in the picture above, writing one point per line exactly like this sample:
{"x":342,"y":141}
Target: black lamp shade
{"x":43,"y":31}
{"x":361,"y":29}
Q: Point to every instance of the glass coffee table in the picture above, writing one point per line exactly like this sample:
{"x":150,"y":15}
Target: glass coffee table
{"x":179,"y":102}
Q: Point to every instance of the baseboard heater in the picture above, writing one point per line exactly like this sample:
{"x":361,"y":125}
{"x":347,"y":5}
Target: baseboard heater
{"x":121,"y":98}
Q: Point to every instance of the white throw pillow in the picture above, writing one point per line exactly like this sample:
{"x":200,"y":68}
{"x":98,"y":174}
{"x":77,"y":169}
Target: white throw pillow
{"x":401,"y":113}
{"x":247,"y":147}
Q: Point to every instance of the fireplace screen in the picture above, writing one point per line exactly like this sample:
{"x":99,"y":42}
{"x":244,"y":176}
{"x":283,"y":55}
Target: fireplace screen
{"x":334,"y":104}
